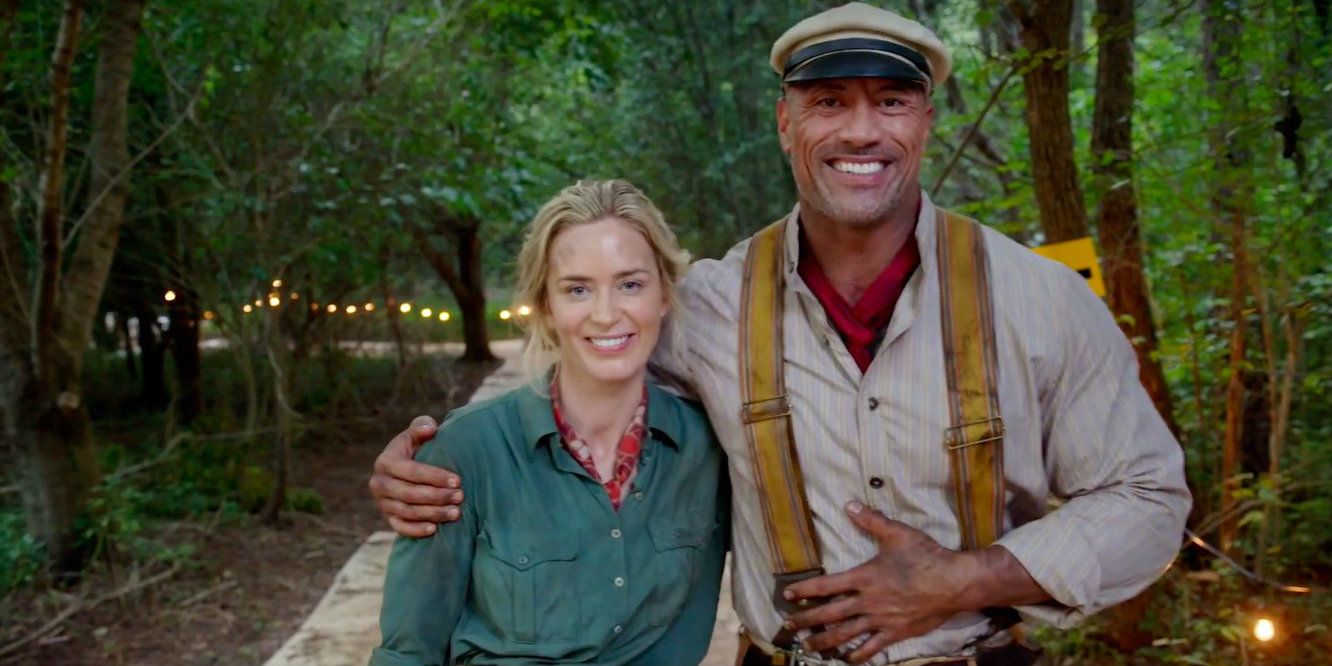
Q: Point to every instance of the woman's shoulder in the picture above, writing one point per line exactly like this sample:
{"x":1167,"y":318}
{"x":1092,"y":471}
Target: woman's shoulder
{"x":679,"y":417}
{"x":477,"y":430}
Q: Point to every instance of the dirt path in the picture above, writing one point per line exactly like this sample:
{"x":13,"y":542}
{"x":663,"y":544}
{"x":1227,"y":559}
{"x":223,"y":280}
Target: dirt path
{"x":246,"y":588}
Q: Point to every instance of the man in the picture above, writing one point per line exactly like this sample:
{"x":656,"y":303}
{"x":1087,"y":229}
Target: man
{"x":868,"y":388}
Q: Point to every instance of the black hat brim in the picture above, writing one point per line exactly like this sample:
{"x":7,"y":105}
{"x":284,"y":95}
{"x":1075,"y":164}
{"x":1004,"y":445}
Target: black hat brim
{"x":856,"y":64}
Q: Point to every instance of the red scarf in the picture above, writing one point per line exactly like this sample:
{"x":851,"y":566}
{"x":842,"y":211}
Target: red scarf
{"x":861,"y":325}
{"x":626,"y":454}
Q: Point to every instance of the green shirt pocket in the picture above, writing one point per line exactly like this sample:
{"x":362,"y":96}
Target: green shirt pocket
{"x":677,"y":552}
{"x":525,"y":584}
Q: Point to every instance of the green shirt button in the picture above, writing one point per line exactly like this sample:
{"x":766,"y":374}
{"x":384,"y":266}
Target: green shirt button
{"x":618,"y":628}
{"x":619,"y":582}
{"x":522,"y":560}
{"x":615,"y":533}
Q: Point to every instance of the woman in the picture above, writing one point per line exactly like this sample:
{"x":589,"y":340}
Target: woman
{"x":593,"y":530}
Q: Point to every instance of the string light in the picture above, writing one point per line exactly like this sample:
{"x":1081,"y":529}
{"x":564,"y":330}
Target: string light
{"x":247,"y":309}
{"x":274,"y":301}
{"x":314,"y":307}
{"x":277,"y":283}
{"x":523,"y":311}
{"x":208,"y":314}
{"x":369,"y":307}
{"x":351,"y":309}
{"x":332,"y":307}
{"x":505,"y":315}
{"x":1264,"y":629}
{"x":169,"y":296}
{"x":426,"y":313}
{"x":258,"y":302}
{"x":405,"y":308}
{"x":444,"y":315}
{"x":295,"y":296}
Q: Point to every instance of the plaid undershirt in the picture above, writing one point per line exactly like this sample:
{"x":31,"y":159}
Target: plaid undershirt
{"x":626,"y":454}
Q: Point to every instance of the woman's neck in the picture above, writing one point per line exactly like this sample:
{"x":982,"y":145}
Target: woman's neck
{"x":599,"y":411}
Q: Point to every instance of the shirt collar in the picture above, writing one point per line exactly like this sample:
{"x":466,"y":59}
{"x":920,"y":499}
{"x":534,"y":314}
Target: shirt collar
{"x":925,"y":235}
{"x":538,"y":421}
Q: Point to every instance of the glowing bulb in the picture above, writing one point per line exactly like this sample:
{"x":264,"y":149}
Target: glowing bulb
{"x":523,"y":311}
{"x":332,"y":307}
{"x":426,"y":312}
{"x":277,"y":283}
{"x":444,"y":316}
{"x":247,"y":309}
{"x":258,"y":302}
{"x":169,"y":296}
{"x":351,"y":309}
{"x":369,"y":307}
{"x":405,"y":308}
{"x":208,"y":314}
{"x":1264,"y":630}
{"x":505,"y":315}
{"x":295,"y":296}
{"x":274,"y":301}
{"x":314,"y":307}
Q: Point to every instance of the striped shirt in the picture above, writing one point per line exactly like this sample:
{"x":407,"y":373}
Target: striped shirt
{"x":1079,"y":428}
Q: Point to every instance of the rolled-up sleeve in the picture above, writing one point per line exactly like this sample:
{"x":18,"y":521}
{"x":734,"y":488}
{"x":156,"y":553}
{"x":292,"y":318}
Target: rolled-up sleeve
{"x":1113,"y":463}
{"x":425,"y":587}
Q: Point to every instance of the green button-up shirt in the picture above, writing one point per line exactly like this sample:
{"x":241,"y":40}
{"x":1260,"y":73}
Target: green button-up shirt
{"x":540,"y":569}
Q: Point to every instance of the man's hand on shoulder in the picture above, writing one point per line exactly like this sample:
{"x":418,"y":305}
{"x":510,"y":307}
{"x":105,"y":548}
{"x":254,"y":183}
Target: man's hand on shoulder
{"x":414,"y":496}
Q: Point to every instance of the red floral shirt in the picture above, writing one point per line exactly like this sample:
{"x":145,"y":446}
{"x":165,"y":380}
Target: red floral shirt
{"x":626,"y":454}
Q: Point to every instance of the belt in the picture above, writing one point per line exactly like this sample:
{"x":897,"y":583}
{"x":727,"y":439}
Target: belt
{"x":1014,"y":653}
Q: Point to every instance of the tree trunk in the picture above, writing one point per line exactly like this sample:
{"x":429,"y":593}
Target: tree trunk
{"x":1230,"y":202}
{"x":1045,"y":35}
{"x":1117,"y":219}
{"x":152,"y":360}
{"x":467,"y":282}
{"x":476,"y":339}
{"x":184,"y":316}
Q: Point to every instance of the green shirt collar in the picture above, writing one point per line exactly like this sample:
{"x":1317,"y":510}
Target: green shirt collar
{"x":538,"y":421}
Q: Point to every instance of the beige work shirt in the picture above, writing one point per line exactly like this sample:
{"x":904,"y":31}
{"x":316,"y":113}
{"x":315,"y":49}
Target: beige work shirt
{"x":1079,"y":428}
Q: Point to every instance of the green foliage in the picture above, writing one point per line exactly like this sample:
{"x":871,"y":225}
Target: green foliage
{"x":21,"y":560}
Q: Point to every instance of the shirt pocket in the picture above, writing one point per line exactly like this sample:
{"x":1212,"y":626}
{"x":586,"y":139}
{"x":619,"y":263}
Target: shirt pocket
{"x":677,"y":551}
{"x":525,"y":584}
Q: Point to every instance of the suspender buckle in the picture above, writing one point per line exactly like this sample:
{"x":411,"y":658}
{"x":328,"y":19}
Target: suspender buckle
{"x":982,"y":431}
{"x":765,"y":410}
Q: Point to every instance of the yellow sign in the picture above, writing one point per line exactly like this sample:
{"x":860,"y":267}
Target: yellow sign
{"x":1080,"y":255}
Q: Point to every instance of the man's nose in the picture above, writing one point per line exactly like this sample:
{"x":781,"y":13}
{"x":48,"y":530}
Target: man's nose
{"x":861,"y":126}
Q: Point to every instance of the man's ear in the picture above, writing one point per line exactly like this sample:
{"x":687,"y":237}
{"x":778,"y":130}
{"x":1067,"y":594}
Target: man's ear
{"x":783,"y":119}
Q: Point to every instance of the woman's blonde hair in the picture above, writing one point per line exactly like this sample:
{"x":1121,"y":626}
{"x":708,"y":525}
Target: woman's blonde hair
{"x":585,"y":202}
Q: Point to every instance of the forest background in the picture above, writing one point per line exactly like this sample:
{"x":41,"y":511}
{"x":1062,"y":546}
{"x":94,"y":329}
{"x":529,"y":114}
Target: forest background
{"x":243,"y":240}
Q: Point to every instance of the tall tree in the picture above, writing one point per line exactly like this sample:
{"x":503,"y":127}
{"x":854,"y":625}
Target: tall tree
{"x":1117,"y":217}
{"x":44,"y":414}
{"x":1045,"y":26}
{"x":1231,"y":201}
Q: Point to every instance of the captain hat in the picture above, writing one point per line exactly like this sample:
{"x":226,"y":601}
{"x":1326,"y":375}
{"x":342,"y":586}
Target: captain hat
{"x":860,"y":41}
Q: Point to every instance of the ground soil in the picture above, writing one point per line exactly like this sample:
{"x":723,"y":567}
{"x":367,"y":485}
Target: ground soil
{"x":247,"y":587}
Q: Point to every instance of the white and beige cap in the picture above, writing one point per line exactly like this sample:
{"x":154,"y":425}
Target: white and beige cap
{"x":860,"y":41}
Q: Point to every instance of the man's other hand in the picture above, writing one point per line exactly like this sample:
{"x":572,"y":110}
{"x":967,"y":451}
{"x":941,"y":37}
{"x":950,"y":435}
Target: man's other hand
{"x":414,"y":496}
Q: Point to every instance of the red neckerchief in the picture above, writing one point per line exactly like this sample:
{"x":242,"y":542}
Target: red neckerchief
{"x":626,"y":454}
{"x":860,"y":325}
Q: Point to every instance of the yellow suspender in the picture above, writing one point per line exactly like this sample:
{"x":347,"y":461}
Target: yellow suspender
{"x":974,"y":442}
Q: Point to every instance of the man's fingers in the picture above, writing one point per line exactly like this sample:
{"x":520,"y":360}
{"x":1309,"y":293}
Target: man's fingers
{"x":418,"y":473}
{"x":885,"y":530}
{"x":827,"y":586}
{"x":388,"y":487}
{"x":411,"y":529}
{"x":838,"y":635}
{"x":418,"y":513}
{"x":825,"y":614}
{"x":876,"y":644}
{"x":422,"y":430}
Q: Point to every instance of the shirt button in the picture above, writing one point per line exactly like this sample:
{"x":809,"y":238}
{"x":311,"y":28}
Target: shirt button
{"x":873,"y":404}
{"x":522,"y":559}
{"x":619,"y":582}
{"x":638,"y":495}
{"x":615,"y":533}
{"x":618,"y":628}
{"x":876,"y":482}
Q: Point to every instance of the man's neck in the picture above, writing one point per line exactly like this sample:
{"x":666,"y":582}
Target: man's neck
{"x":852,"y":257}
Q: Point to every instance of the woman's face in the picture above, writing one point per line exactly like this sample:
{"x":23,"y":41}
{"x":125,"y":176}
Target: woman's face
{"x":606,"y":301}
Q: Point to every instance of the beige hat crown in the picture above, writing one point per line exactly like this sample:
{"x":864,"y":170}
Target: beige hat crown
{"x":858,"y":20}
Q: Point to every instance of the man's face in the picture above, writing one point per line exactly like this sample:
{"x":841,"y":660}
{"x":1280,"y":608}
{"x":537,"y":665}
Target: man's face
{"x":855,"y":145}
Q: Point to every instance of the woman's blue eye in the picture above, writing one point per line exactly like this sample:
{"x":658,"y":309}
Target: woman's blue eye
{"x":576,"y":290}
{"x":632,"y":285}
